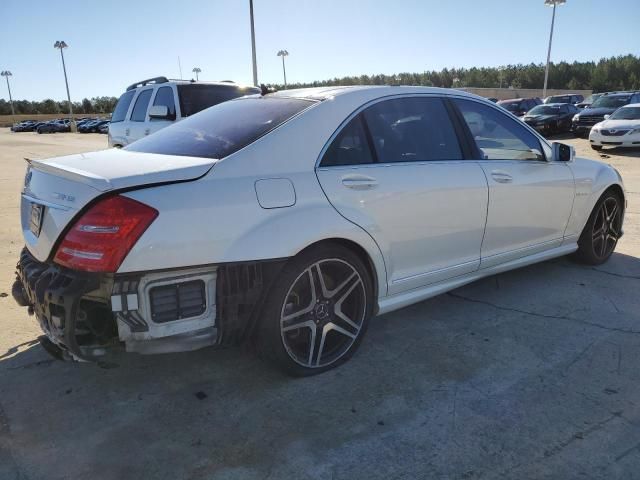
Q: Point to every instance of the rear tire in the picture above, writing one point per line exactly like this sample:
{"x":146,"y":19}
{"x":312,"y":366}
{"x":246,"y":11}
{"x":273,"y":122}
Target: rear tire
{"x":317,"y":311}
{"x":602,"y":231}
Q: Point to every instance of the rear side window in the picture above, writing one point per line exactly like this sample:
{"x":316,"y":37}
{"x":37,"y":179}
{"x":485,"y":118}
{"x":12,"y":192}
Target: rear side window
{"x":139,"y":113}
{"x":350,"y":147}
{"x":196,"y":97}
{"x":412,"y":130}
{"x":223,"y":129}
{"x":498,"y":136}
{"x":122,"y":106}
{"x":164,"y":97}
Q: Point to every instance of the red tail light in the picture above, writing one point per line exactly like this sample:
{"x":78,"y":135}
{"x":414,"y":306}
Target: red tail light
{"x":102,"y":237}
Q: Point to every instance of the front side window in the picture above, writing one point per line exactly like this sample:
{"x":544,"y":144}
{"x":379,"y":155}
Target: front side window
{"x":164,"y":97}
{"x":122,"y":106}
{"x":139,"y":113}
{"x":412,"y":130}
{"x":350,"y":147}
{"x":497,"y":136}
{"x":223,"y":129}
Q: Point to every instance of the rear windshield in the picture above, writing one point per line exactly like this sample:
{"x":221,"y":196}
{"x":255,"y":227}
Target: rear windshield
{"x":122,"y":106}
{"x":196,"y":97}
{"x":560,"y":99}
{"x":223,"y":129}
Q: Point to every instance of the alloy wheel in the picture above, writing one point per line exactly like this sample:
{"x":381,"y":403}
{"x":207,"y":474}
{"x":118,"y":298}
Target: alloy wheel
{"x":606,"y":228}
{"x":323,"y":313}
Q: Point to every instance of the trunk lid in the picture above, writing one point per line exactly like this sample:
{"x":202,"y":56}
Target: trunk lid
{"x":56,"y":190}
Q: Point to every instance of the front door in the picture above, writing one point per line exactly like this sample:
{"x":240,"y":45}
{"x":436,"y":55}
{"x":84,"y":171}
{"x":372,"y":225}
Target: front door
{"x":530,"y":196}
{"x":397,"y":170}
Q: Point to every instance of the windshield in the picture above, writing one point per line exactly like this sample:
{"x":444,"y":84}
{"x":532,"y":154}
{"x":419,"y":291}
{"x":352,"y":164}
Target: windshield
{"x":511,"y":106}
{"x":219,"y":131}
{"x":609,"y":101}
{"x":626,"y":113}
{"x":544,"y":110}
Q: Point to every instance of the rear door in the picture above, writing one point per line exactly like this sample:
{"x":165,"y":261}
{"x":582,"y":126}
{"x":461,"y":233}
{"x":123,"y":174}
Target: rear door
{"x":397,"y":170}
{"x":530,"y":197}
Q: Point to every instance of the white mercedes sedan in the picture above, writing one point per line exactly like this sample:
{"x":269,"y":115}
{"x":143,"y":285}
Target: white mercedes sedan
{"x":291,"y":219}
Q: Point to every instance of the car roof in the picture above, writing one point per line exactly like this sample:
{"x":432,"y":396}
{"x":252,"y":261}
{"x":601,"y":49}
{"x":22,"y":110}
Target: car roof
{"x":372,"y":91}
{"x":150,"y":82}
{"x":552,"y":105}
{"x":631,"y":105}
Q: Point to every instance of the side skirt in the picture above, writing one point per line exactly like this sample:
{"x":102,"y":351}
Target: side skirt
{"x":401,"y":300}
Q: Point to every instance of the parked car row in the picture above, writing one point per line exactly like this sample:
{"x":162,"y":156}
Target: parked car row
{"x":605,"y":105}
{"x":59,"y":125}
{"x":94,"y":125}
{"x":599,"y":117}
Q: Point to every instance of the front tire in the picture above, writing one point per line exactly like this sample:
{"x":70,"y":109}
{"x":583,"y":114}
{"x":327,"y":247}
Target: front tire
{"x":597,"y":148}
{"x":317,"y":311}
{"x":602,"y":231}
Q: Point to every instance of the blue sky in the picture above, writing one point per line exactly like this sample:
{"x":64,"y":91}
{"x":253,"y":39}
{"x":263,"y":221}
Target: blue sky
{"x":113,"y":43}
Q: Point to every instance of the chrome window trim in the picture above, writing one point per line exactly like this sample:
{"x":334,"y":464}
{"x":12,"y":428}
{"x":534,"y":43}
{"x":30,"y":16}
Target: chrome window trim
{"x":511,"y":117}
{"x":360,"y":109}
{"x":442,"y":96}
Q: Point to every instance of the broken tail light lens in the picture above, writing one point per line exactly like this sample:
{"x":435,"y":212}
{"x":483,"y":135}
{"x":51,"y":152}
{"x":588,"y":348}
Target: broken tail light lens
{"x":103,"y":236}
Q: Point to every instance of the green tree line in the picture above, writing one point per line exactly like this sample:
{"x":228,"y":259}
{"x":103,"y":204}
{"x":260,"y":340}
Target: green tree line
{"x":614,"y":73}
{"x":95,"y":105}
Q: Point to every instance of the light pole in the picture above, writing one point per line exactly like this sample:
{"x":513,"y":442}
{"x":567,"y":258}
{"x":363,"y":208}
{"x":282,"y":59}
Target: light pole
{"x":555,"y":3}
{"x":196,"y":70}
{"x":6,"y":74}
{"x":253,"y":45}
{"x":61,"y":45}
{"x":284,"y":53}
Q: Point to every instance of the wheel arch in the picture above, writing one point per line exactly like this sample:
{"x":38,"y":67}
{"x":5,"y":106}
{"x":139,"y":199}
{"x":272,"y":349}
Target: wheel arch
{"x":362,"y":253}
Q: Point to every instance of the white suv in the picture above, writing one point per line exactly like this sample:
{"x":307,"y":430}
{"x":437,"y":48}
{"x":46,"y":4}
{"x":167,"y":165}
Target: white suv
{"x":151,"y":105}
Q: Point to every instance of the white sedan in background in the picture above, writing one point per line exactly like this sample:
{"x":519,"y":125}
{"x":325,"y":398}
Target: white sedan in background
{"x":620,"y":129}
{"x":292,"y":218}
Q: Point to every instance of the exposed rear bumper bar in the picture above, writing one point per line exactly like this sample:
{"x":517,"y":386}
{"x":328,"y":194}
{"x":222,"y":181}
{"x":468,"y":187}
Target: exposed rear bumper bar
{"x":53,"y":293}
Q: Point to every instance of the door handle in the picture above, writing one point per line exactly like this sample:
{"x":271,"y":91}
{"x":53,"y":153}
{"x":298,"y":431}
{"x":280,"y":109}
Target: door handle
{"x":501,"y":177}
{"x":359,"y":182}
{"x":146,"y":132}
{"x":126,"y":132}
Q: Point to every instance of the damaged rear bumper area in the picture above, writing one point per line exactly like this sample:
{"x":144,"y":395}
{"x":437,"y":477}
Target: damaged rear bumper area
{"x":88,"y":316}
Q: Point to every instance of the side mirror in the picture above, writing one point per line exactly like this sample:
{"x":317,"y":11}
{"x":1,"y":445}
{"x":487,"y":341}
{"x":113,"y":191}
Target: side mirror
{"x":606,"y":117}
{"x":563,"y":152}
{"x":160,"y":112}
